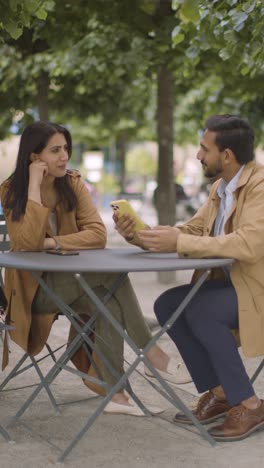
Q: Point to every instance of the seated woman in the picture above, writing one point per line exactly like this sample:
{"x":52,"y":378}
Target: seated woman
{"x":48,"y":207}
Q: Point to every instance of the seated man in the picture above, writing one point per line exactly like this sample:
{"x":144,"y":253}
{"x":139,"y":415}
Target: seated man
{"x":229,"y":224}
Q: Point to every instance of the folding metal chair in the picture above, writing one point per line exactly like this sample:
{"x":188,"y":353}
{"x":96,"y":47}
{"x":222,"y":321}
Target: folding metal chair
{"x":5,"y":434}
{"x":4,"y":240}
{"x":3,"y":328}
{"x":257,"y":371}
{"x":19,"y":368}
{"x":4,"y":246}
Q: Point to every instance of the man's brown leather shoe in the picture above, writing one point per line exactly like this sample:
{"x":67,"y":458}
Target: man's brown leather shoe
{"x":239,"y":423}
{"x":209,"y":408}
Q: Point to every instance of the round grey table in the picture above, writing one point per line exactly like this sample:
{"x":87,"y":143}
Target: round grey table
{"x":107,"y":260}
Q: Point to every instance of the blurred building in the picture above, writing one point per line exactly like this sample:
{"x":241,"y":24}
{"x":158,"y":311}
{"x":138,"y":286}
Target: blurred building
{"x":8,"y":155}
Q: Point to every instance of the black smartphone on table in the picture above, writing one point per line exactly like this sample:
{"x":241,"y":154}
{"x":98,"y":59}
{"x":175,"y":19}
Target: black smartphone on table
{"x":62,"y":252}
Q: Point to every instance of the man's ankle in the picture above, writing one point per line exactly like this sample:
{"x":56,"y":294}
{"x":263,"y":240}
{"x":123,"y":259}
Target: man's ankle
{"x":219,"y":393}
{"x":251,"y":403}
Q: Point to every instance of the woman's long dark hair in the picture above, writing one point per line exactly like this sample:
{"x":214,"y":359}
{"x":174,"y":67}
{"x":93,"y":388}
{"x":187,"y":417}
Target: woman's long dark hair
{"x":34,"y":139}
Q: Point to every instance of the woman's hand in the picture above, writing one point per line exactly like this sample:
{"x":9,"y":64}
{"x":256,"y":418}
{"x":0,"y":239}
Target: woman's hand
{"x":37,"y":170}
{"x":49,"y":243}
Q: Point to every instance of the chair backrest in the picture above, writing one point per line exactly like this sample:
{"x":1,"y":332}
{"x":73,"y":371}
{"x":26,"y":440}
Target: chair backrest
{"x":4,"y":239}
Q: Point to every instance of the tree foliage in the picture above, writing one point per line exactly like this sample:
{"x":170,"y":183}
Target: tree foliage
{"x":107,"y":65}
{"x":100,"y":60}
{"x":17,"y":14}
{"x":94,"y":72}
{"x":223,"y":63}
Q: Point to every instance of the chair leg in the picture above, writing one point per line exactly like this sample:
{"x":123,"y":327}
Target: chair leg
{"x":45,"y":384}
{"x":18,"y":369}
{"x":51,"y":352}
{"x":34,"y":363}
{"x":14,"y":372}
{"x":5,"y":434}
{"x":257,"y":372}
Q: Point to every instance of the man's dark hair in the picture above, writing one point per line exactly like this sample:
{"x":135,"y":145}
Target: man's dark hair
{"x":234,"y":133}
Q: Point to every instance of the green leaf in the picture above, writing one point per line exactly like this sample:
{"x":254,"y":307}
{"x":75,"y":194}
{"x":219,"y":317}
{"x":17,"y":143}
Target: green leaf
{"x":249,"y":6}
{"x":204,"y":13}
{"x":31,"y":5}
{"x":176,"y":31}
{"x":162,"y":48}
{"x":232,"y":2}
{"x":190,"y":10}
{"x":225,"y":54}
{"x":177,"y":36}
{"x":178,"y":39}
{"x":205,"y":44}
{"x":175,"y":4}
{"x":245,"y":70}
{"x":229,"y":36}
{"x":41,"y":14}
{"x":219,"y":14}
{"x":239,"y":26}
{"x":238,"y":18}
{"x":148,"y":6}
{"x":14,"y":31}
{"x":224,"y":23}
{"x":256,"y":50}
{"x":192,"y":52}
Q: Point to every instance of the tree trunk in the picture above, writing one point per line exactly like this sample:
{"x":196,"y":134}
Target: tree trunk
{"x":165,"y":194}
{"x":42,"y":95}
{"x":165,"y":197}
{"x":121,"y":146}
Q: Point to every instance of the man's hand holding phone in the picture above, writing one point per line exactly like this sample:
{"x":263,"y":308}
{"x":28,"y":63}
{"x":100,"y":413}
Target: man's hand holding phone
{"x":127,"y":222}
{"x":132,"y":228}
{"x":125,"y":226}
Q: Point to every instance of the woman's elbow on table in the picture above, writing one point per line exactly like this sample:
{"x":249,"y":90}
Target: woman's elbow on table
{"x":101,"y":236}
{"x":102,"y":240}
{"x":27,"y":245}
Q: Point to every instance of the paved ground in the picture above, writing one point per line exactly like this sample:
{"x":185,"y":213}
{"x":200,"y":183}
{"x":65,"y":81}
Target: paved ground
{"x":115,"y":441}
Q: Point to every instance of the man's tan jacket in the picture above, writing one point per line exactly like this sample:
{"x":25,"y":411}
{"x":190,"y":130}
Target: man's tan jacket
{"x":244,"y":241}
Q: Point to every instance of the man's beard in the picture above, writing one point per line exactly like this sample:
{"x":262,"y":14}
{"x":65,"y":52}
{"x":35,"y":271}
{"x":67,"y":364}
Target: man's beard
{"x":213,"y":172}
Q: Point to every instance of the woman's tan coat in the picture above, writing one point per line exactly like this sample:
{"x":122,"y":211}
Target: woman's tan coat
{"x":243,"y":241}
{"x":79,"y":229}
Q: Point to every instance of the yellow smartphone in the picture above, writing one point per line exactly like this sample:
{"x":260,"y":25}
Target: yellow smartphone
{"x":121,"y":207}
